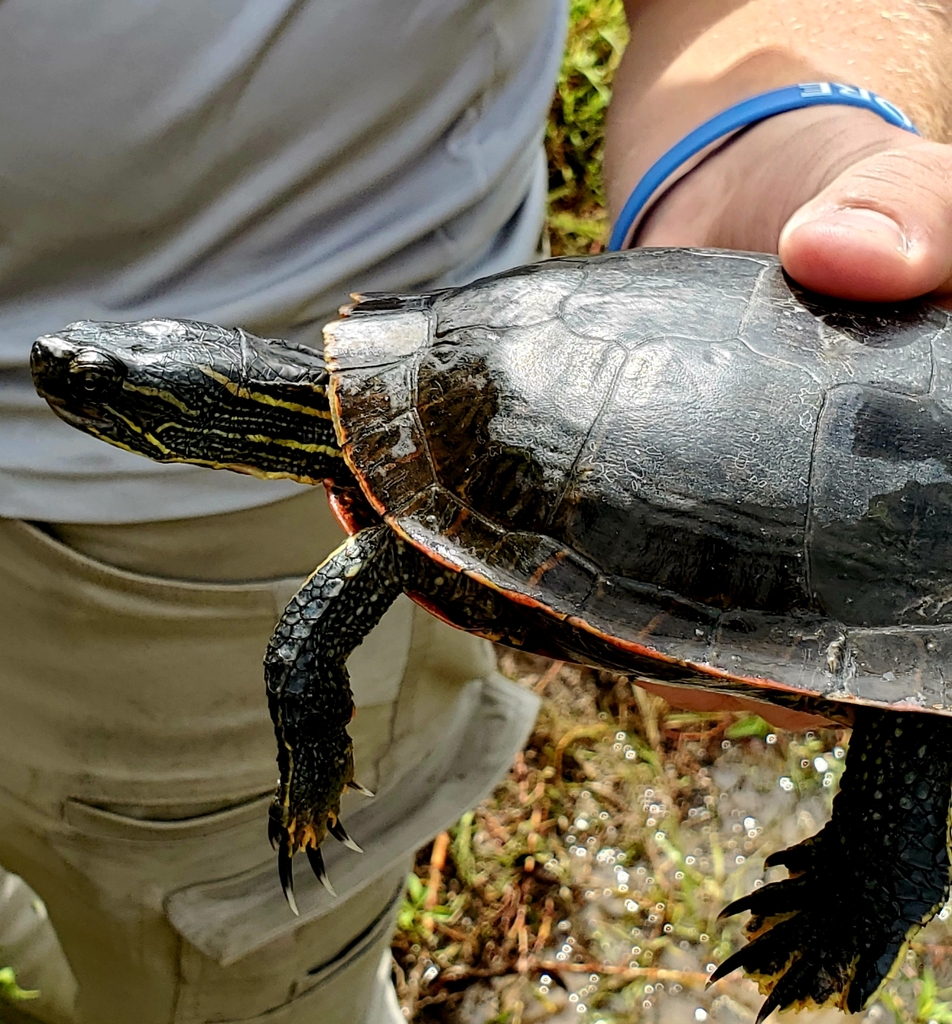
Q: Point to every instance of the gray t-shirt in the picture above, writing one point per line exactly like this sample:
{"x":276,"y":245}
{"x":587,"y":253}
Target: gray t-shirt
{"x":245,"y":163}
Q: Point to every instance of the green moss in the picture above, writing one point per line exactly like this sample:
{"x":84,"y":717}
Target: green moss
{"x":575,"y":137}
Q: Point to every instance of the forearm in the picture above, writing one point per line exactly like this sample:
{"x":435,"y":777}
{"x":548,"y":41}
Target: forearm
{"x":688,"y":59}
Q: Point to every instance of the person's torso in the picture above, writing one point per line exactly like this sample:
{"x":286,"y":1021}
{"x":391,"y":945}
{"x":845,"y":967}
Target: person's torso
{"x":245,"y":164}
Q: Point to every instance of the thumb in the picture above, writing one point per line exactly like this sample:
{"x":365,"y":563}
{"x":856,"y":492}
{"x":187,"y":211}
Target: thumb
{"x":881,"y":231}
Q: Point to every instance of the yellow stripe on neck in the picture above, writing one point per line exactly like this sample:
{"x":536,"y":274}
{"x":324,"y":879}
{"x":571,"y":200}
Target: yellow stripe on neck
{"x":286,"y":442}
{"x":259,"y":396}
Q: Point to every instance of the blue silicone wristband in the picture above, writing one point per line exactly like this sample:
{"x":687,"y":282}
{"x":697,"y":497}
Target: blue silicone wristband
{"x":742,"y":115}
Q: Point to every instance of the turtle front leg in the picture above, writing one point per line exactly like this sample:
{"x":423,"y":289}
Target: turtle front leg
{"x":310,"y":698}
{"x":832,"y":932}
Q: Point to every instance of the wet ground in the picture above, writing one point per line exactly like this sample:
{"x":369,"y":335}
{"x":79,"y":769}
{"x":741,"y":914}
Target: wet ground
{"x":587,"y":889}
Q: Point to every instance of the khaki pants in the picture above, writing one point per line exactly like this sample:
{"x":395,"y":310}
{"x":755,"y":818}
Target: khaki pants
{"x":137,"y":763}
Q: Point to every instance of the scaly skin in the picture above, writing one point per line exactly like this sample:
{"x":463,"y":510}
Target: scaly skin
{"x":310,"y":698}
{"x":862,"y":887}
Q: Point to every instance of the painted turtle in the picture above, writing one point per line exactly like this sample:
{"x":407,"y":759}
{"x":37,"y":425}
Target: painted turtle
{"x":669,"y":463}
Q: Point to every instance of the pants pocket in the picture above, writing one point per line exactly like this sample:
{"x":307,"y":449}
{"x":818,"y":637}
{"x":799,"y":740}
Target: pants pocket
{"x":322,"y":967}
{"x":235,"y":952}
{"x":125,"y":689}
{"x":106,"y":879}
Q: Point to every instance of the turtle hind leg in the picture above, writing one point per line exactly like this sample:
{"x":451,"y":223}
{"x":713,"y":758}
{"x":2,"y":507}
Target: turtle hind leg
{"x":310,"y":698}
{"x":859,"y":890}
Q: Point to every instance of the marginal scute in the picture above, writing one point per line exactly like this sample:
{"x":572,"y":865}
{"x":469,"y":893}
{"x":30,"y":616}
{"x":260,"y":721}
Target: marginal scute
{"x":375,"y":340}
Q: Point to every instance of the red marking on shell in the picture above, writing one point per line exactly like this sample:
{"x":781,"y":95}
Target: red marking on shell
{"x":550,"y":563}
{"x":350,"y":508}
{"x":696,"y":668}
{"x":340,"y":509}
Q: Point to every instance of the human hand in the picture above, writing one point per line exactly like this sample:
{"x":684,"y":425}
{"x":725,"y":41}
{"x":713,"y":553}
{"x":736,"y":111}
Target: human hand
{"x":856,"y":208}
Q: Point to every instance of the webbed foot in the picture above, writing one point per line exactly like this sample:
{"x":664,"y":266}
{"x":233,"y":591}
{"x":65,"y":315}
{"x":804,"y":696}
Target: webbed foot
{"x":832,"y":933}
{"x":802,"y":953}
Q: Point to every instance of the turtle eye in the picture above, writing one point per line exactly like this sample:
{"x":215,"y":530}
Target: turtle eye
{"x":96,"y":374}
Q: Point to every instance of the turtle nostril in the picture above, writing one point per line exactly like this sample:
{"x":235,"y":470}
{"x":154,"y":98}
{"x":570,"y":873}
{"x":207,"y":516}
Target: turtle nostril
{"x":48,"y":363}
{"x":49,"y":354}
{"x":39,"y":356}
{"x":38,"y":362}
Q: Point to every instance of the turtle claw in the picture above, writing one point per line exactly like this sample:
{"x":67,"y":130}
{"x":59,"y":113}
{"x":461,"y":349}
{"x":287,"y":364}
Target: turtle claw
{"x":316,"y":859}
{"x":285,"y":873}
{"x":274,"y":833}
{"x":363,"y":790}
{"x":730,"y":965}
{"x":796,"y":859}
{"x":338,"y":831}
{"x":796,"y":959}
{"x":737,"y":907}
{"x":782,"y":897}
{"x":777,"y":997}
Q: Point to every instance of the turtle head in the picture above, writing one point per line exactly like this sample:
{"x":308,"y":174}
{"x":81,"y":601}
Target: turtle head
{"x":185,"y":391}
{"x":123,"y":382}
{"x":76,"y":380}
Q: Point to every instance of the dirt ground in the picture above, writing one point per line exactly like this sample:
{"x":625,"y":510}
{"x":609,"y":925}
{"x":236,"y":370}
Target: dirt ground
{"x":587,"y":888}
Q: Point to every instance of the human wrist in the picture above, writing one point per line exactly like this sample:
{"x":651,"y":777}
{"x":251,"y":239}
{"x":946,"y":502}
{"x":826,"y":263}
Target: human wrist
{"x":742,"y":195}
{"x":688,"y":62}
{"x":648,"y":117}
